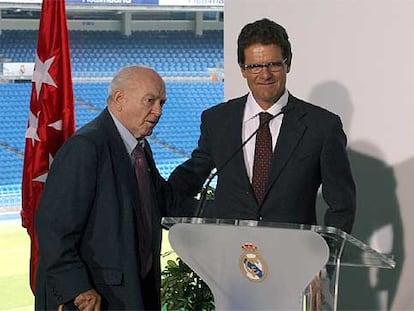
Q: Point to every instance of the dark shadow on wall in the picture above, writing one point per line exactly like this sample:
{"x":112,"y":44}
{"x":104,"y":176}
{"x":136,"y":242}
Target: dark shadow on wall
{"x":377,"y":209}
{"x":404,"y":172}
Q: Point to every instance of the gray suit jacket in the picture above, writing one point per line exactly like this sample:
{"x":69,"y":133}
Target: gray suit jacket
{"x":310,"y":151}
{"x":87,"y":221}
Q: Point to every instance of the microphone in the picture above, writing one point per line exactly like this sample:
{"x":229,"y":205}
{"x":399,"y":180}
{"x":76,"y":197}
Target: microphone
{"x":214,"y":173}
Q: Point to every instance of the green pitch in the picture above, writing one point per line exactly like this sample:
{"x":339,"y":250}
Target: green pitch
{"x":15,"y":293}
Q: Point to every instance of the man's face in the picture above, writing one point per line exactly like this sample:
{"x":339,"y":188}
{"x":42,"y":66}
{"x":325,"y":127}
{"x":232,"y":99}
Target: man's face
{"x":266,"y":86}
{"x":140,"y":105}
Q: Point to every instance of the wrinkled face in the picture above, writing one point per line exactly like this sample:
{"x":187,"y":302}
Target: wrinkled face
{"x":266,"y":86}
{"x":138,"y":106}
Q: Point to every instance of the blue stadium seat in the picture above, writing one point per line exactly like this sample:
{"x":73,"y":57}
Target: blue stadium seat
{"x":174,"y":53}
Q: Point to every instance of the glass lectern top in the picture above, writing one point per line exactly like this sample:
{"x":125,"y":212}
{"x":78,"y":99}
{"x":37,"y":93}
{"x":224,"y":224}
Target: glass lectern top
{"x":345,"y":250}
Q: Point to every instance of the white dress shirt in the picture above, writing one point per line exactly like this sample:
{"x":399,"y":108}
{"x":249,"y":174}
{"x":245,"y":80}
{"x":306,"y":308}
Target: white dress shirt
{"x":129,"y":140}
{"x":251,"y":122}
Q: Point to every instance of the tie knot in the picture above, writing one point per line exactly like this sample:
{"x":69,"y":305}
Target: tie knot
{"x":265,"y":117}
{"x":138,"y":151}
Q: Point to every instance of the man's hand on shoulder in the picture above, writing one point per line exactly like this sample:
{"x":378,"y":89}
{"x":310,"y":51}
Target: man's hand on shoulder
{"x":88,"y":301}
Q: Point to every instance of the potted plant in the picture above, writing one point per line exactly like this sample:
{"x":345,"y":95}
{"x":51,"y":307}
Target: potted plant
{"x":183,"y":289}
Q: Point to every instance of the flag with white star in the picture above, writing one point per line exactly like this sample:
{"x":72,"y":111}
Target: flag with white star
{"x":51,"y":115}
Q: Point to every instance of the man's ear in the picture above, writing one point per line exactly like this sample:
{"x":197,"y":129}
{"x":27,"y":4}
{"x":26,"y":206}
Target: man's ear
{"x":287,"y":68}
{"x":118,"y":99}
{"x":288,"y":63}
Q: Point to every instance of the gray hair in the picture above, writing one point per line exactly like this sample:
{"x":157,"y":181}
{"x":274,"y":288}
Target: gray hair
{"x":123,"y":76}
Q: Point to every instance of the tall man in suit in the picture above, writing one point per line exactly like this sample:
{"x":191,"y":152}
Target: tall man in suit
{"x":307,"y":145}
{"x":99,"y":245}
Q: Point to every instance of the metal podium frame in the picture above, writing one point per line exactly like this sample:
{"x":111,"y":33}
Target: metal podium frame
{"x":265,"y":265}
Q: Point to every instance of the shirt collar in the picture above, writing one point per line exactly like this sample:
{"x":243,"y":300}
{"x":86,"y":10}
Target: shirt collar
{"x":129,"y":140}
{"x":252,"y":108}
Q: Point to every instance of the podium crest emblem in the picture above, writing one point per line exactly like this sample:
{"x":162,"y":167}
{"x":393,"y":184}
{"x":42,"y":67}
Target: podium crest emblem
{"x":252,"y":265}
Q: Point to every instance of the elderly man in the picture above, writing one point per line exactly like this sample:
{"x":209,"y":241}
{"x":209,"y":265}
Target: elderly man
{"x":98,"y":222}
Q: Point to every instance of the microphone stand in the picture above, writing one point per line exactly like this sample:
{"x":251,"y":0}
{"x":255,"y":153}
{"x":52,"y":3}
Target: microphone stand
{"x":204,"y":190}
{"x":203,"y":195}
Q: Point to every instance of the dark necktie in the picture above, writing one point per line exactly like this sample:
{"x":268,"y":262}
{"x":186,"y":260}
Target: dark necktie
{"x":146,"y":205}
{"x":262,"y":157}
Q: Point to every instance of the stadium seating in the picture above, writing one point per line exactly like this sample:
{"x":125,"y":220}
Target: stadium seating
{"x":177,"y":130}
{"x":93,"y":53}
{"x":176,"y":55}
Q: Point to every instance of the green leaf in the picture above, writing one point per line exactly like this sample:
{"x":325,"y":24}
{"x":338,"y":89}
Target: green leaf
{"x":183,"y":289}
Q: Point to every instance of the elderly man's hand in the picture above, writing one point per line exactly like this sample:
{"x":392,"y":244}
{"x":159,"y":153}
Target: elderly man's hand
{"x":88,"y":301}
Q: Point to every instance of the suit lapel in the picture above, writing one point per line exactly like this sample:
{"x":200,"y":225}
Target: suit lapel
{"x":291,"y":132}
{"x":234,"y":130}
{"x":124,"y":174}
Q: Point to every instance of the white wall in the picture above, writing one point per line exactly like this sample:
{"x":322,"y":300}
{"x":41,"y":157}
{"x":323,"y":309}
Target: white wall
{"x":355,"y":58}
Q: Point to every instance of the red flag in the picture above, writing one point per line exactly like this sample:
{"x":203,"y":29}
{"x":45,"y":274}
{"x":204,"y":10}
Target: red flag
{"x":51,"y":115}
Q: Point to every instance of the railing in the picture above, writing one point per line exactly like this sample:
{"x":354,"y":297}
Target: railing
{"x":103,"y":76}
{"x":10,"y":198}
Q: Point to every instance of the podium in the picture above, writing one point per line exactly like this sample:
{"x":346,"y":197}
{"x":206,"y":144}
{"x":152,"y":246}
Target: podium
{"x":256,"y":265}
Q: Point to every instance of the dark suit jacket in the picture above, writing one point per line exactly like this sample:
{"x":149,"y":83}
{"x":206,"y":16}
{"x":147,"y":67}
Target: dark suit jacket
{"x":87,"y":221}
{"x":310,"y":150}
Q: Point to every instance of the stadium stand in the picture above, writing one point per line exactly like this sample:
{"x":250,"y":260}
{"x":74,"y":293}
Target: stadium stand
{"x":181,"y":57}
{"x":172,"y":53}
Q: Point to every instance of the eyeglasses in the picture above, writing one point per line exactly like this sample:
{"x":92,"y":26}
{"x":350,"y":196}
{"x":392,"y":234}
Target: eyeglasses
{"x":257,"y":68}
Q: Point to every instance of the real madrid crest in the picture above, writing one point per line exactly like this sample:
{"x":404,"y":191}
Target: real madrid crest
{"x":252,"y":265}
